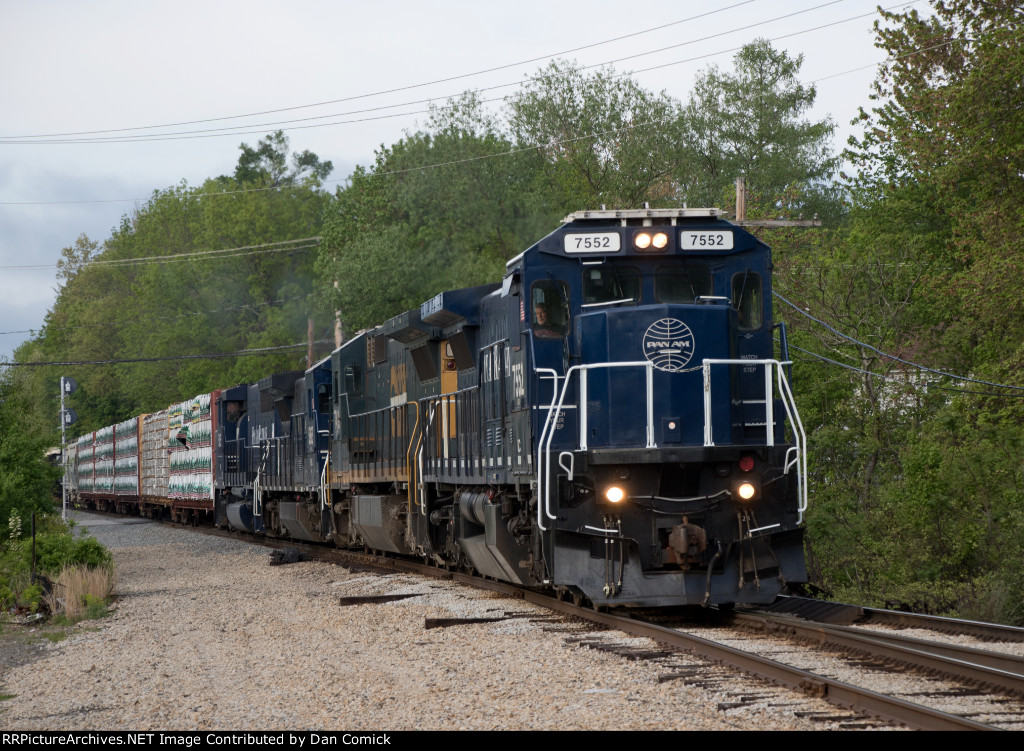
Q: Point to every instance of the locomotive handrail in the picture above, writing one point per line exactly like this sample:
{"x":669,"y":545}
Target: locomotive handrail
{"x":419,"y":458}
{"x":324,"y":476}
{"x":800,"y":455}
{"x":257,"y":499}
{"x":553,"y":374}
{"x":442,"y":405}
{"x":570,"y":470}
{"x":410,"y":492}
{"x":797,"y":452}
{"x":647,"y":364}
{"x":555,"y":411}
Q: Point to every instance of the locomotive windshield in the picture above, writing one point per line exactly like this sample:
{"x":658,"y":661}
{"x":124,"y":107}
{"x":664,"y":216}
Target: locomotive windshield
{"x":682,"y":284}
{"x":610,"y":283}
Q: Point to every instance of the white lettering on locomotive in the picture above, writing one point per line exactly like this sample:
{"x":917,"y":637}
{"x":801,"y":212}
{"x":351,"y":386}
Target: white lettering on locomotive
{"x":669,"y":344}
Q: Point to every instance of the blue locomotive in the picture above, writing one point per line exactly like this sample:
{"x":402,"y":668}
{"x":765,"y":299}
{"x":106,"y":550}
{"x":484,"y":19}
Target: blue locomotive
{"x":608,"y":422}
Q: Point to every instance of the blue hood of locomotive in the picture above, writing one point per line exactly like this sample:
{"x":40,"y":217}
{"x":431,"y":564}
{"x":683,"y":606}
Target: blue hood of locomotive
{"x":676,"y":339}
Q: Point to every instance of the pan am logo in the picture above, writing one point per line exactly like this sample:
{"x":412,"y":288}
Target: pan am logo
{"x":668,"y":343}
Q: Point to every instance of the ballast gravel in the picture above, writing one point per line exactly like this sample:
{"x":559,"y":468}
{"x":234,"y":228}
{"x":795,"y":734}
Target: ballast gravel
{"x":207,"y":636}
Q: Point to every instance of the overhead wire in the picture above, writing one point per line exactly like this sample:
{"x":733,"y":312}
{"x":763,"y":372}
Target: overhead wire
{"x":507,"y":152}
{"x":261,"y":128}
{"x":281,"y":246}
{"x":879,"y":352}
{"x":409,"y":87}
{"x":247,"y":306}
{"x":897,"y":377}
{"x":130,"y":360}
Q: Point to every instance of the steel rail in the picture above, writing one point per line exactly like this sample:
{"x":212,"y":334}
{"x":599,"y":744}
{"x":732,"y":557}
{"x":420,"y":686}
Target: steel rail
{"x":1001,"y":671}
{"x":836,"y":612}
{"x":886,"y":708}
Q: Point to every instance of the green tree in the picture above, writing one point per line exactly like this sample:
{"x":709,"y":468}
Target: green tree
{"x":267,"y":164}
{"x":752,"y":123}
{"x":442,"y":208}
{"x":27,"y":479}
{"x":918,"y":501}
{"x":126,"y":299}
{"x":604,"y":139}
{"x":945,"y":145}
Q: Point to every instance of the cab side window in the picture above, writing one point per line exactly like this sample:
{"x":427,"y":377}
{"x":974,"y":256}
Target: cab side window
{"x":549,"y":309}
{"x":748,"y":299}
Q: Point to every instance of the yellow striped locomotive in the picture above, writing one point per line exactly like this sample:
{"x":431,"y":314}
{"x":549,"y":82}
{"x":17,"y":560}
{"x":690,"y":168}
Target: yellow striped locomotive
{"x":609,"y":422}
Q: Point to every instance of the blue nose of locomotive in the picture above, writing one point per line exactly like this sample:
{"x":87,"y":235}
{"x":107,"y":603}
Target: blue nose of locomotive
{"x":675,"y":339}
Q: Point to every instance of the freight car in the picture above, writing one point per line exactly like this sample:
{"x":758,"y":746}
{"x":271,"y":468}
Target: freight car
{"x":609,"y":422}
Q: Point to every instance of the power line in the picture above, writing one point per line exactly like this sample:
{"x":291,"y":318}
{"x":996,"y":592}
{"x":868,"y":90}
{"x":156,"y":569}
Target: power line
{"x":888,"y":377}
{"x":893,"y":357}
{"x":158,"y":318}
{"x":177,"y":257}
{"x":840,"y":364}
{"x":513,"y":151}
{"x":124,"y":361}
{"x":978,"y":393}
{"x":461,"y":76}
{"x":261,"y":128}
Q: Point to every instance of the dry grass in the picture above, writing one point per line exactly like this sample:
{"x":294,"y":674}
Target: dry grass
{"x":81,"y":592}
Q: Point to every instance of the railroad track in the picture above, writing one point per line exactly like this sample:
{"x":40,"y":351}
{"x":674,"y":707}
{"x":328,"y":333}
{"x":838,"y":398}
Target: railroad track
{"x":842,"y":614}
{"x":990,"y":684}
{"x":996,"y":670}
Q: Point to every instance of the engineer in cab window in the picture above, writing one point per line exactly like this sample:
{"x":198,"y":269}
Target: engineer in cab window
{"x":543,"y":326}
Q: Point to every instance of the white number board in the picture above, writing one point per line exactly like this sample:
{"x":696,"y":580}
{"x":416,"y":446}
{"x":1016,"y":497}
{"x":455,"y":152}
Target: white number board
{"x":705,"y":239}
{"x":593,"y":242}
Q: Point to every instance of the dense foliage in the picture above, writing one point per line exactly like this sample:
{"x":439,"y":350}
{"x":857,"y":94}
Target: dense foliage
{"x":27,"y":478}
{"x":153,"y":290}
{"x":916,"y":477}
{"x":448,"y":205}
{"x":56,"y":548}
{"x":918,"y":487}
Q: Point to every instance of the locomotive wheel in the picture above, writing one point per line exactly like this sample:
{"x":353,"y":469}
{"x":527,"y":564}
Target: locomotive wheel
{"x":578,"y":598}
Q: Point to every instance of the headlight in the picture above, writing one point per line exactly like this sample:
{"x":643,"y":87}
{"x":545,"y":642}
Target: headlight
{"x":614,"y":494}
{"x":651,"y":242}
{"x":746,"y":490}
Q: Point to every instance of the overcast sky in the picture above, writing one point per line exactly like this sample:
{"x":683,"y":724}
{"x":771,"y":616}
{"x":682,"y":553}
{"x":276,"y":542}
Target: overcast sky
{"x":71,"y":66}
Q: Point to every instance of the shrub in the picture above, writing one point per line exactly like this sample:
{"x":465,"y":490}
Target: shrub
{"x":57,"y":548}
{"x":31,"y":597}
{"x":80,"y":592}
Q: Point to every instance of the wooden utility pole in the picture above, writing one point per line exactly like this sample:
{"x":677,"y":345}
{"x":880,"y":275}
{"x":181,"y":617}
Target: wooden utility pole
{"x":338,"y":333}
{"x":309,"y":338}
{"x":741,"y":213}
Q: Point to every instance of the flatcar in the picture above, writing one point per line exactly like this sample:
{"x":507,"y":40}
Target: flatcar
{"x":609,"y":421}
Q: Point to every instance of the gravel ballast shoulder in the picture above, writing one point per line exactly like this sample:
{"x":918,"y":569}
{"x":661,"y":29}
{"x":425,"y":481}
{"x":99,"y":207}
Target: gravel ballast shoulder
{"x":207,"y":635}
